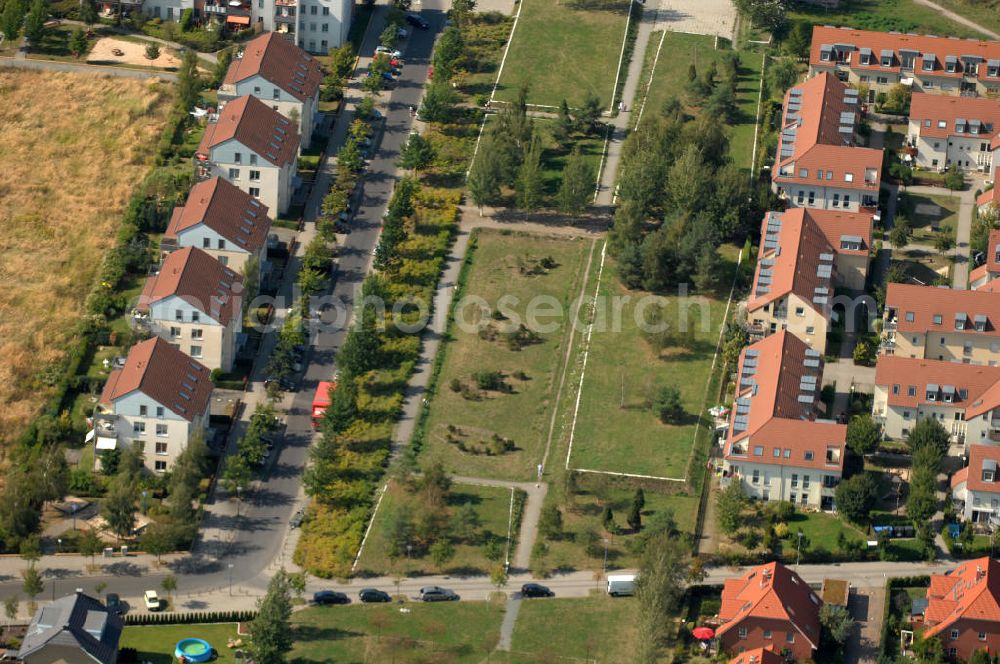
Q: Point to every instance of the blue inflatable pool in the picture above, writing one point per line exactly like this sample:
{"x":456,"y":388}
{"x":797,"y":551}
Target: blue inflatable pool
{"x":193,"y":650}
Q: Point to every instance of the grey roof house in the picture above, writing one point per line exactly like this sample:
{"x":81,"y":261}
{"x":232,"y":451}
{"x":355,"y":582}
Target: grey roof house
{"x":76,"y":629}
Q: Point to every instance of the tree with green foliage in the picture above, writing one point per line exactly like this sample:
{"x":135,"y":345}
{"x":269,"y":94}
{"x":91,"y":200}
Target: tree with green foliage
{"x":360,"y":352}
{"x":10,"y":606}
{"x":954,"y":179}
{"x":118,"y":507}
{"x":706,"y":277}
{"x":663,"y":574}
{"x":856,"y":496}
{"x":189,"y":83}
{"x":529,"y":183}
{"x":729,"y":506}
{"x":32,"y":585}
{"x":588,"y":116}
{"x":447,"y":53}
{"x":88,"y":12}
{"x":944,"y":242}
{"x":156,"y":540}
{"x":342,"y":60}
{"x":766,"y":14}
{"x":11,"y":19}
{"x":34,"y":23}
{"x":929,"y":433}
{"x":169,"y":585}
{"x":900,"y":234}
{"x":863,"y":435}
{"x":837,"y":622}
{"x":799,"y":39}
{"x":668,"y":405}
{"x":271,"y":631}
{"x":441,"y":552}
{"x":89,"y":544}
{"x":237,"y":474}
{"x":634,"y":518}
{"x":484,"y":177}
{"x":389,"y":37}
{"x":550,"y":522}
{"x":417,"y":153}
{"x":781,"y":75}
{"x":466,"y":524}
{"x":439,"y":102}
{"x":77,"y":42}
{"x":152,"y":51}
{"x":577,"y":186}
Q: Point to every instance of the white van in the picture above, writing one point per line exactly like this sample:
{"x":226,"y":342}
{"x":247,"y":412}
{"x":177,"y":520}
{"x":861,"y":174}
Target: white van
{"x":620,"y":585}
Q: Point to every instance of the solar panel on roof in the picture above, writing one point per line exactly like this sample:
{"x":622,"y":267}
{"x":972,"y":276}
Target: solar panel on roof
{"x":187,"y":387}
{"x":812,"y":352}
{"x":826,"y":257}
{"x":752,"y":352}
{"x":820,"y":299}
{"x":807,"y":398}
{"x":821,"y":290}
{"x":810,"y":362}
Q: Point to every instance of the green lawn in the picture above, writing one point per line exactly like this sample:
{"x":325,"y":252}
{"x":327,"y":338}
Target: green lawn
{"x":918,"y":207}
{"x":591,"y":629}
{"x":617,"y":429}
{"x":821,"y":531}
{"x":927,"y":266}
{"x":679,"y":51}
{"x":156,"y":643}
{"x":565,"y":50}
{"x":882,"y":15}
{"x":984,"y":12}
{"x":493,"y":507}
{"x":582,"y":515}
{"x":505,"y":264}
{"x":462,"y":632}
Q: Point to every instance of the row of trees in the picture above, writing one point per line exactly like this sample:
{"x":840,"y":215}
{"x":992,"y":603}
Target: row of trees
{"x":251,"y":450}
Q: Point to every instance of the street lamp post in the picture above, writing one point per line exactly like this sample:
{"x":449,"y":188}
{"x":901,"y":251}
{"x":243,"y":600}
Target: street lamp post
{"x":606,"y":556}
{"x":59,"y":545}
{"x":798,"y":548}
{"x":144,"y":494}
{"x":409,"y":548}
{"x":239,"y":491}
{"x":230,"y":566}
{"x":72,"y":508}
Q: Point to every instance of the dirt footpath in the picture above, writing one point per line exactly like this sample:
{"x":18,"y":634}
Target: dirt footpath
{"x":133,"y":53}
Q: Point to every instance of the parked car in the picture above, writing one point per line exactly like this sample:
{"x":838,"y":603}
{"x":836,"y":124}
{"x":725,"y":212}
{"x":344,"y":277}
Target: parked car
{"x":536,"y":590}
{"x":417,"y":21}
{"x":388,"y":51}
{"x":373,"y":595}
{"x":402,"y":33}
{"x":151,"y":600}
{"x":297,"y":519}
{"x":330,"y":597}
{"x":437,"y":594}
{"x":284,"y":383}
{"x":115,"y":604}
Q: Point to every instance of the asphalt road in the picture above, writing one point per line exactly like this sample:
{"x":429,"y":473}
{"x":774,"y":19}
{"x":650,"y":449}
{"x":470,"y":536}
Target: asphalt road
{"x":260,"y":536}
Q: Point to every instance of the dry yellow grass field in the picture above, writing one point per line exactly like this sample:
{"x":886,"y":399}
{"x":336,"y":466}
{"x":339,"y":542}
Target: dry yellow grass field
{"x":72,"y":147}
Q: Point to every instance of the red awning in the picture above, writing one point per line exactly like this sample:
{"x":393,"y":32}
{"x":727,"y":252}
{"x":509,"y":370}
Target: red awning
{"x":238,"y":20}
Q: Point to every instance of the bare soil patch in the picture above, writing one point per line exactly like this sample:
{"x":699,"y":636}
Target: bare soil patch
{"x":132,"y":53}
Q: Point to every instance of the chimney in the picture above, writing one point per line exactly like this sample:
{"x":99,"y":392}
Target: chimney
{"x":979,"y":572}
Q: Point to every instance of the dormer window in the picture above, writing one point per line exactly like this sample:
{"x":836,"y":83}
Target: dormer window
{"x":932,"y":391}
{"x":960,"y":320}
{"x":951,"y":64}
{"x":980,"y":323}
{"x":928,"y":64}
{"x":886,"y":58}
{"x":910,"y":316}
{"x":809,"y":457}
{"x":937,"y":319}
{"x":987,"y":475}
{"x":993,"y":68}
{"x":826,"y":52}
{"x":865,"y":56}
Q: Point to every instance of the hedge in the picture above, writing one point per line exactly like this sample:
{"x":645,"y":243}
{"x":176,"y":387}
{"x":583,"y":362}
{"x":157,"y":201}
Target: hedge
{"x":188,"y":618}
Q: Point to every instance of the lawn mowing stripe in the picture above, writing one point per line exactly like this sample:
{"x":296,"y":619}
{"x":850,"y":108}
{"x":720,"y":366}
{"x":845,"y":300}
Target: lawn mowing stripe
{"x":569,"y":350}
{"x":586,"y":351}
{"x":368,"y":530}
{"x":506,"y":50}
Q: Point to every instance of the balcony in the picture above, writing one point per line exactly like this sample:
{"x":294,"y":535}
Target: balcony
{"x":104,"y":432}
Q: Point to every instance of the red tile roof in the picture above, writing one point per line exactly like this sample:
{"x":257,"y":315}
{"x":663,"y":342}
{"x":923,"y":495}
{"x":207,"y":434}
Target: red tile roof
{"x":165,"y":374}
{"x":226,"y":209}
{"x":899,"y":374}
{"x":774,"y":592}
{"x":780,"y":379}
{"x":279,"y":62}
{"x":256,"y":126}
{"x":923,"y":45}
{"x":794,"y":240}
{"x":812,"y":140}
{"x":990,"y":196}
{"x":980,"y":457}
{"x":198,"y":279}
{"x":970,"y":591}
{"x":758,"y":656}
{"x":930,"y":110}
{"x":926,"y":302}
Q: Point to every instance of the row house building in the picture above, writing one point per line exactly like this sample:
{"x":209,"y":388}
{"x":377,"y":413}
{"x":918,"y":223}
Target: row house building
{"x":818,"y":164}
{"x":280,"y":74}
{"x":223,"y":221}
{"x":975,"y":489}
{"x":778,"y":446}
{"x":769,"y":609}
{"x":254,"y":147}
{"x":963,"y":609}
{"x":927,"y":322}
{"x":312,"y":25}
{"x":805,"y":255}
{"x":925,"y":63}
{"x":959,"y":396}
{"x":158,"y":399}
{"x":954,"y":130}
{"x":194,"y":303}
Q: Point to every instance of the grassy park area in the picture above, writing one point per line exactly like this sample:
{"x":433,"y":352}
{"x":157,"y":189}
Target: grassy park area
{"x":492,"y":408}
{"x":492,"y":506}
{"x":616,"y":428}
{"x":156,"y":643}
{"x":591,"y":629}
{"x":931,"y":216}
{"x":565,"y":50}
{"x":886,"y":16}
